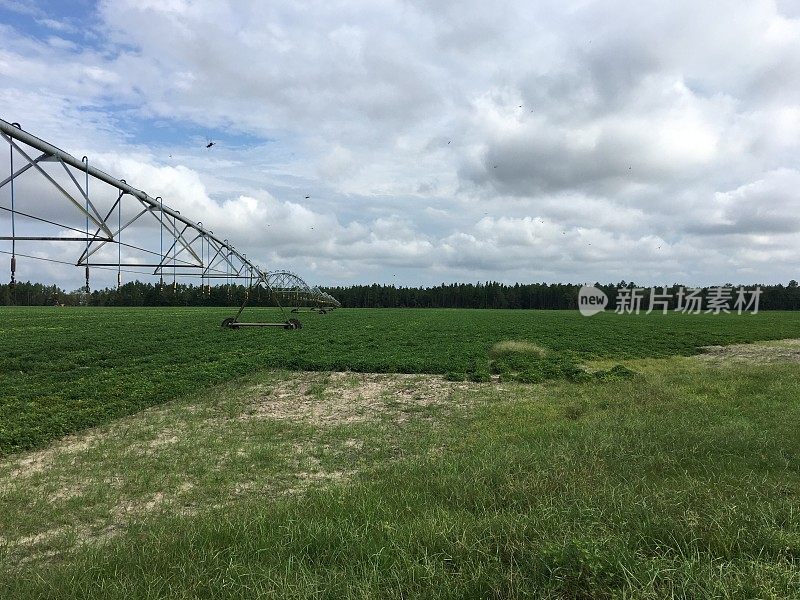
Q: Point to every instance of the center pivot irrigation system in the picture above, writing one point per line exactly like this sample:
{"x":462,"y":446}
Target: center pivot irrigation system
{"x":83,"y":205}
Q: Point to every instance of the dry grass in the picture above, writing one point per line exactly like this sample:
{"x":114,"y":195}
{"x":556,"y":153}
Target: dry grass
{"x":780,"y":351}
{"x":516,"y":346}
{"x":329,"y":399}
{"x":31,"y":463}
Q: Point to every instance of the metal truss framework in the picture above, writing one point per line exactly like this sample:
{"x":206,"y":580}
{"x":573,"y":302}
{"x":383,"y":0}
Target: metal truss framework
{"x":186,"y":248}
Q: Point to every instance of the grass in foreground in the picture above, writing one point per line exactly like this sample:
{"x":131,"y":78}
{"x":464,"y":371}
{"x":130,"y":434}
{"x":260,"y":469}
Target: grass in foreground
{"x":63,"y":370}
{"x":683,"y":482}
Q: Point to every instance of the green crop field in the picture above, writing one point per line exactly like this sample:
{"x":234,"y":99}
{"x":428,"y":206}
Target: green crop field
{"x":149,"y":453}
{"x":62,"y":370}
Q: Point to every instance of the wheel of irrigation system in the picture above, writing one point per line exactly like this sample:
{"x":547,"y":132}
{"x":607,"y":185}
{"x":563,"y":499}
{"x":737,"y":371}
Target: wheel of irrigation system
{"x":227,"y":322}
{"x":322,"y":311}
{"x":293,"y":324}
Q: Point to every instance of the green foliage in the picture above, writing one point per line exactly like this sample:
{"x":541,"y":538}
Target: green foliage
{"x":455,"y":376}
{"x":615,"y":373}
{"x":479,"y":376}
{"x":582,"y":569}
{"x":526,"y":364}
{"x":66,"y":369}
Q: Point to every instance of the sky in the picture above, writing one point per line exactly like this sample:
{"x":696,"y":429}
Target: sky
{"x":437,"y":141}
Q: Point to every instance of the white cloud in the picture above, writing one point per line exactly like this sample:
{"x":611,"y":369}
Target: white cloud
{"x":511,"y":140}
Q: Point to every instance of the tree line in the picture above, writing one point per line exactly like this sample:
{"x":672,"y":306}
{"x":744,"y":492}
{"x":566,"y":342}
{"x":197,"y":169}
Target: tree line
{"x":553,"y":296}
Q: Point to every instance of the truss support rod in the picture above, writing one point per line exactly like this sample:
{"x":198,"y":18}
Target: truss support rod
{"x":86,"y":252}
{"x":86,"y":196}
{"x":119,"y":239}
{"x":84,"y":193}
{"x":31,"y":140}
{"x":13,"y":223}
{"x":21,"y":170}
{"x":47,"y":176}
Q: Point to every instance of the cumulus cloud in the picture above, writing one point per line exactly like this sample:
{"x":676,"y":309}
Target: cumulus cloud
{"x":441,"y":140}
{"x":763,"y":207}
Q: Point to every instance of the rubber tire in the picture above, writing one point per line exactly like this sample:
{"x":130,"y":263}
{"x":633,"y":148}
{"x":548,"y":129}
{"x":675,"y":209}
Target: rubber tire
{"x":227,"y":322}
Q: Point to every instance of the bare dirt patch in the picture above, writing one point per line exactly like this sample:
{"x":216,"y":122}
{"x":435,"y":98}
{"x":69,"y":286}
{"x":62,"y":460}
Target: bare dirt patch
{"x":32,"y":463}
{"x":345,"y":398}
{"x":516,"y":346}
{"x":781,"y":351}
